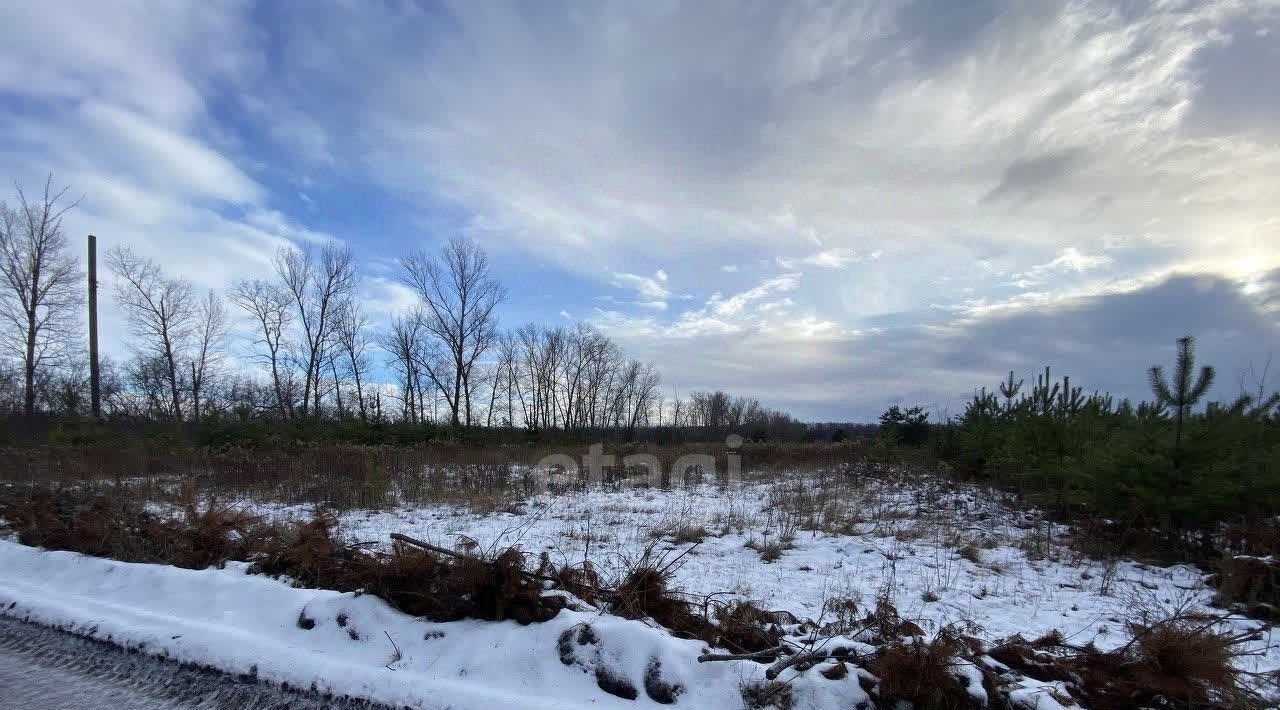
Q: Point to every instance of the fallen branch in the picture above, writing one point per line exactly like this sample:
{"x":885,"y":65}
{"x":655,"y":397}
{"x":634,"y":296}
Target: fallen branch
{"x":788,"y":661}
{"x":766,"y":654}
{"x":399,"y":537}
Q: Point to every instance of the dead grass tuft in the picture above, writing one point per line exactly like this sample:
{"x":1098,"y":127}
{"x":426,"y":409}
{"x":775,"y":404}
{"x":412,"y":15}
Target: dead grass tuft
{"x":921,"y":673}
{"x":972,"y":553}
{"x":746,"y":627}
{"x":1182,"y":661}
{"x":1251,"y":585}
{"x":417,"y":582}
{"x":1178,"y":662}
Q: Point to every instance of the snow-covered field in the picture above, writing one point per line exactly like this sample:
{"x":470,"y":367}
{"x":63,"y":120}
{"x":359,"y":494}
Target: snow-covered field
{"x":797,"y":543}
{"x":358,"y":646}
{"x":942,"y":556}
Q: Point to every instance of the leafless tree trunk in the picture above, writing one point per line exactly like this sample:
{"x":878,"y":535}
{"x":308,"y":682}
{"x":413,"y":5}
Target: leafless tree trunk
{"x":459,"y":296}
{"x":39,"y":279}
{"x":352,"y":331}
{"x":269,"y":306}
{"x":316,"y":289}
{"x":161,"y":312}
{"x":402,"y":343}
{"x":337,"y":386}
{"x":211,"y":337}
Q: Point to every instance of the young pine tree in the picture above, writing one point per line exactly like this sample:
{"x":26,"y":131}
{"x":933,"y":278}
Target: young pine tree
{"x":1183,"y":393}
{"x":1009,"y":389}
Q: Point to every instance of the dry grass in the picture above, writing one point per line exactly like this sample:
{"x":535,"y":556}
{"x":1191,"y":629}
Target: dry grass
{"x":683,"y":534}
{"x":771,"y":552}
{"x":200,"y":536}
{"x":921,"y":673}
{"x":971,"y":552}
{"x":1251,"y":585}
{"x":417,"y":582}
{"x":1176,"y":662}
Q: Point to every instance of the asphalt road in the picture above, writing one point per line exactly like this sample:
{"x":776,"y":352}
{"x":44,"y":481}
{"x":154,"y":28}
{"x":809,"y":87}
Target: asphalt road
{"x":46,"y":669}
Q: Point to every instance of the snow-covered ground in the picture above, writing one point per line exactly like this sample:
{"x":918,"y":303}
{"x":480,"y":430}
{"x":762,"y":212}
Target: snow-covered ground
{"x":899,"y":540}
{"x":353,"y":645}
{"x":942,"y":554}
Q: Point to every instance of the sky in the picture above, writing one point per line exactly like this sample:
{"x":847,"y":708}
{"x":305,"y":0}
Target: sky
{"x":830,"y":206}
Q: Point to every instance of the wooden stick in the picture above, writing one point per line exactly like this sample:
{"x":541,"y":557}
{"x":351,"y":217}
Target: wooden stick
{"x":428,"y":546}
{"x":458,"y":555}
{"x":768,"y":653}
{"x":786,"y":662}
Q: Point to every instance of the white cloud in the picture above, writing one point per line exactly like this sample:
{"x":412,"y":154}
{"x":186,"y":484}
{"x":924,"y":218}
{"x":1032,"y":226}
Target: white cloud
{"x":1070,"y":259}
{"x":763,"y":307}
{"x":119,"y":108}
{"x":837,"y":258}
{"x":1069,"y":262}
{"x":651,"y":290}
{"x":166,"y":159}
{"x":757,"y":152}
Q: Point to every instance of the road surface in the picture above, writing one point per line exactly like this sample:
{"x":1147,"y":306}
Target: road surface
{"x":45,"y":669}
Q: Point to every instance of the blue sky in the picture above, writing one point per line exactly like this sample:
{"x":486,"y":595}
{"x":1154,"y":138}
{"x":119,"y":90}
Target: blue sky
{"x":832,"y":206}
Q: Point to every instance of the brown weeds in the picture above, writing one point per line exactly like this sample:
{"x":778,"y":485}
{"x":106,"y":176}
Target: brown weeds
{"x":921,"y":672}
{"x":1250,"y":584}
{"x":1177,"y":662}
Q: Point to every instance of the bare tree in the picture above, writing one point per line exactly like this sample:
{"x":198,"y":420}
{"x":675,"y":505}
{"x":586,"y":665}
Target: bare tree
{"x":351,"y":329}
{"x":269,"y":307}
{"x":640,"y":383}
{"x":40,"y":283}
{"x":459,"y":296}
{"x":402,"y":343}
{"x":317,"y":288}
{"x":162,"y":313}
{"x":210,"y":343}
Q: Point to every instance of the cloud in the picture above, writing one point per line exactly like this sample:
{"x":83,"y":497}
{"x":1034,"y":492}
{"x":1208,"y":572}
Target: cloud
{"x":1068,"y":263}
{"x":846,"y":120}
{"x":1103,"y":342}
{"x":759,"y":308}
{"x":1027,"y":178}
{"x":652,"y":291}
{"x":1073,"y":151}
{"x":836,"y":258}
{"x":126,"y":108}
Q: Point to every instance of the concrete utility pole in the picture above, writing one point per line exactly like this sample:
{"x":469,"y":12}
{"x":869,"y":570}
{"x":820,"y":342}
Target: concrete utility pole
{"x":94,"y":399}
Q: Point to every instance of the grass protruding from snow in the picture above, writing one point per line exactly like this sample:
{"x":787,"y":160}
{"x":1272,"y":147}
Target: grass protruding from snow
{"x":960,"y":576}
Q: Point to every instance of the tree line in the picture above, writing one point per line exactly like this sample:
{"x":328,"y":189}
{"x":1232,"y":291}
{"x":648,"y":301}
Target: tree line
{"x":1173,"y":471}
{"x":311,"y":351}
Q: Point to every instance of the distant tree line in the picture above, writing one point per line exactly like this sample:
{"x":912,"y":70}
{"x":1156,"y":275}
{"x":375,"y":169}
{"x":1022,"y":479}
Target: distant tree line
{"x":313,"y":353}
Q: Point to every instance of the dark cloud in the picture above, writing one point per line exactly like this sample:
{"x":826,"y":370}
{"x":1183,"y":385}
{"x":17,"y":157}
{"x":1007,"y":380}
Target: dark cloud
{"x":1270,"y":294}
{"x":1024,"y":180}
{"x":939,"y":30}
{"x":1231,"y":94}
{"x":1103,"y":342}
{"x":1108,"y":341}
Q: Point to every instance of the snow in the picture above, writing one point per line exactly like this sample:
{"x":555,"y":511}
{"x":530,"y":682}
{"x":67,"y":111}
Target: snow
{"x":249,"y":624}
{"x":1006,"y":591}
{"x":895,"y":541}
{"x":1040,"y":695}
